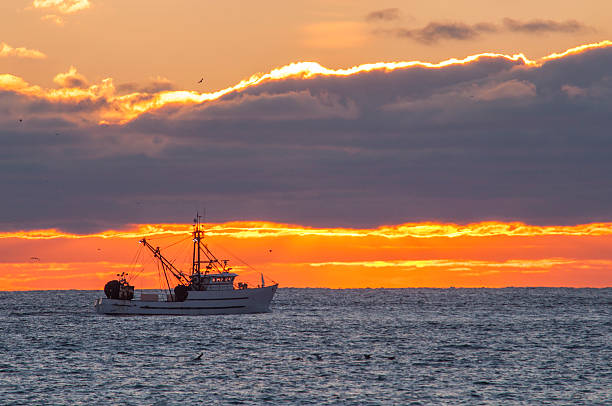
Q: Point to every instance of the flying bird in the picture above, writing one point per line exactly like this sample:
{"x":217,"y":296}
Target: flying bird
{"x":201,"y":80}
{"x":35,"y":258}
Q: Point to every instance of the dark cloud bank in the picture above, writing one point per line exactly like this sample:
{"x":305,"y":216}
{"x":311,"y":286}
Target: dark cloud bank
{"x":492,"y":140}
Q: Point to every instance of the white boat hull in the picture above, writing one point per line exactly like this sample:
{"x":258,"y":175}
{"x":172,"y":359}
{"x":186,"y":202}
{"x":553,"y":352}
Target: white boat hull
{"x":198,"y":303}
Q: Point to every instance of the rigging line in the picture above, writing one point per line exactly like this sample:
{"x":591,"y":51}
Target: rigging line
{"x":159,"y":276}
{"x":167,"y":265}
{"x":236,"y":256}
{"x":134,"y":258}
{"x":244,"y":262}
{"x":270,"y":279}
{"x":174,"y":243}
{"x":213,"y":262}
{"x":132,"y":266}
{"x":139,"y":252}
{"x":184,"y":256}
{"x":167,"y":281}
{"x":146,"y":262}
{"x":165,"y":236}
{"x":179,"y":255}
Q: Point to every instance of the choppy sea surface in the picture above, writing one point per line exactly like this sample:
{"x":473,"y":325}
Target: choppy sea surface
{"x":317,"y":346}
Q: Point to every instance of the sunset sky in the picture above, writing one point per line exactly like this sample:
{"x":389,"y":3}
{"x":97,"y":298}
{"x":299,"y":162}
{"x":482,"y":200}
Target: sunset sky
{"x":339,"y":144}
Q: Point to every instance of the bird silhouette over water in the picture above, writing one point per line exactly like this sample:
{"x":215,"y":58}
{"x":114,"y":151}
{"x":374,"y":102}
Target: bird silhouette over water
{"x":201,"y":80}
{"x":199,"y":357}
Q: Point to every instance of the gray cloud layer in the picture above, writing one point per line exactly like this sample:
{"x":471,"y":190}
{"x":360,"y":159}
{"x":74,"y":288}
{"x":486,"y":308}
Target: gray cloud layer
{"x":488,"y":140}
{"x":433,"y":32}
{"x":436,"y":31}
{"x":540,"y":26}
{"x":388,"y":14}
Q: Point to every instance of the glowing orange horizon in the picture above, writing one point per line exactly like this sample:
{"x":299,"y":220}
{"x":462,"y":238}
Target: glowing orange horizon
{"x":253,"y":229}
{"x":554,"y":272}
{"x":486,"y":254}
{"x":122,"y":109}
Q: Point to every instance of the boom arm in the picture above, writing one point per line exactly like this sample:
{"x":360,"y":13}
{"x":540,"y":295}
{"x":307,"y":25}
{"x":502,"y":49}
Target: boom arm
{"x":167,"y":265}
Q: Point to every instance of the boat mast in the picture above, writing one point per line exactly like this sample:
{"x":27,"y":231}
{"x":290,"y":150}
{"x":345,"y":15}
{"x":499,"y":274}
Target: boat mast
{"x":201,"y":248}
{"x":196,"y":245}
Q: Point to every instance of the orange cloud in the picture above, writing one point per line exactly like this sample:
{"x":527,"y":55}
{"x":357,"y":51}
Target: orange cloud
{"x":8,"y":51}
{"x":577,"y":50}
{"x":257,"y":229}
{"x":123,"y":108}
{"x":454,"y":265}
{"x":71,"y":79}
{"x":13,"y":83}
{"x":53,"y":18}
{"x":62,"y":6}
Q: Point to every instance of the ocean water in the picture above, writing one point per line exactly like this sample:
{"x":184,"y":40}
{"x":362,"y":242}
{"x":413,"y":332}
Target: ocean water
{"x":317,"y":346}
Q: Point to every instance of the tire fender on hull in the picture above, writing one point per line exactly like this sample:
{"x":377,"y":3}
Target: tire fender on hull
{"x":111,"y":289}
{"x":180,"y":293}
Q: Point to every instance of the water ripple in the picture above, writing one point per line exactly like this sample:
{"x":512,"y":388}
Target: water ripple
{"x":319,"y":347}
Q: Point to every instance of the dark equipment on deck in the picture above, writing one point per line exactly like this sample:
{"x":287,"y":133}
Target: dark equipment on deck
{"x":119,"y":289}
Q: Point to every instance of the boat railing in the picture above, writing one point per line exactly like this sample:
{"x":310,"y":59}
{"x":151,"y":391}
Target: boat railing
{"x":153,"y":296}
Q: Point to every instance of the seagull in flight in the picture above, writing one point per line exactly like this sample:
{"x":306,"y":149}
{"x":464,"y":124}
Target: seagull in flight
{"x":201,"y":80}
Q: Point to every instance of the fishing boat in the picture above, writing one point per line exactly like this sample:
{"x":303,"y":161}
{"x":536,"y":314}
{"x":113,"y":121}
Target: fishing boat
{"x":205,"y":291}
